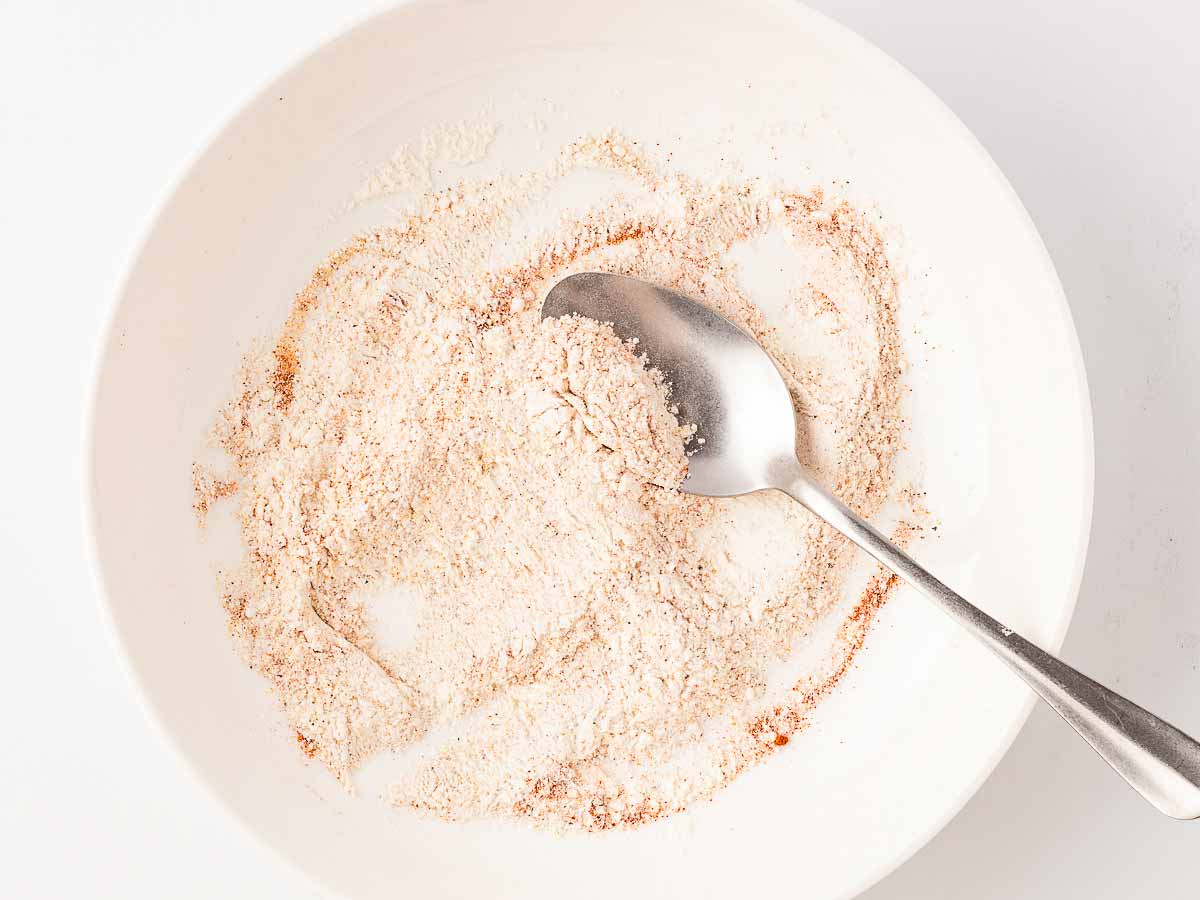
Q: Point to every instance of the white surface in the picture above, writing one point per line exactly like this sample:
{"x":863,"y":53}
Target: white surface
{"x":926,"y":712}
{"x":110,"y":101}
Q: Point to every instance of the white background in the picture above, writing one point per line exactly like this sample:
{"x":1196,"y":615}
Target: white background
{"x":1090,"y":109}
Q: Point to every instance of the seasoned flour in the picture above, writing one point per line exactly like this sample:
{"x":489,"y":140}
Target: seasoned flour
{"x":591,"y":647}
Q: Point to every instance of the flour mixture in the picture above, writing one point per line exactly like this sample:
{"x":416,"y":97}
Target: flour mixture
{"x":590,"y":648}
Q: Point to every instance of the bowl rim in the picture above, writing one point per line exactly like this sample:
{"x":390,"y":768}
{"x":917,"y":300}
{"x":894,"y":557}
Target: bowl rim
{"x":216,"y":130}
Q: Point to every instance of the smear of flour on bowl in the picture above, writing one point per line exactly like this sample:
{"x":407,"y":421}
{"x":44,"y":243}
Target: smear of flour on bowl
{"x":207,"y":489}
{"x":592,"y":648}
{"x":410,"y":167}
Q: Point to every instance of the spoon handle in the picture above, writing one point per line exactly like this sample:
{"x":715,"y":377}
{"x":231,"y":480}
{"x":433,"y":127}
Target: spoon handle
{"x":1158,"y":760}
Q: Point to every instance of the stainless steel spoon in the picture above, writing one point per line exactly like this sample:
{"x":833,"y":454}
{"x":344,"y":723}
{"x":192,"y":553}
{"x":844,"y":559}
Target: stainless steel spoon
{"x":727,"y":385}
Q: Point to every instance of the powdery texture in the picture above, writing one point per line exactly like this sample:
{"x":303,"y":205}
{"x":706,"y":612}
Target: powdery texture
{"x":410,"y":167}
{"x":591,"y":647}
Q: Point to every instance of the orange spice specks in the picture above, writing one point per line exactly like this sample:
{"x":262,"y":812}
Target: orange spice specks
{"x":309,"y":748}
{"x":287,"y":363}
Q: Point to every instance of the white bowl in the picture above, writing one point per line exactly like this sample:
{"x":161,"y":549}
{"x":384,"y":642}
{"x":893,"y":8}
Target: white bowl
{"x":999,"y":412}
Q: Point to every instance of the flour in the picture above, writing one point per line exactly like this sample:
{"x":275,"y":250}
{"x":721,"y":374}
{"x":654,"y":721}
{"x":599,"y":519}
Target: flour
{"x":410,"y":167}
{"x":591,"y":646}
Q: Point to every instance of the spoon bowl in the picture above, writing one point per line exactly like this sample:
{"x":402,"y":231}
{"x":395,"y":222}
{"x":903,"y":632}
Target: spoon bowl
{"x":720,"y":378}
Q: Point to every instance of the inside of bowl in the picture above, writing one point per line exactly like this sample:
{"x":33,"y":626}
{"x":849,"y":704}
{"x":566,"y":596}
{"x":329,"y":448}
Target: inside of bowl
{"x":999,"y":436}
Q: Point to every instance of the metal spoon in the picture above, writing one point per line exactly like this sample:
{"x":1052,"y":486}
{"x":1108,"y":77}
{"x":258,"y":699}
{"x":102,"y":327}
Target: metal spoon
{"x":727,"y":385}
